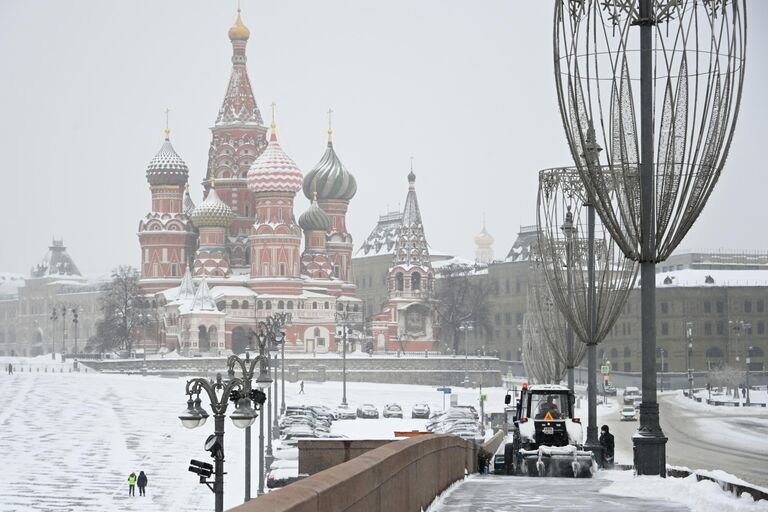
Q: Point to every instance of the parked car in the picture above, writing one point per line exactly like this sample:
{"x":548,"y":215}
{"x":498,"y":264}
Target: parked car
{"x":471,"y":408}
{"x":367,"y":411}
{"x":609,"y":389}
{"x":628,"y":413}
{"x":631,"y":395}
{"x":420,"y":411}
{"x":344,"y":413}
{"x":392,"y":411}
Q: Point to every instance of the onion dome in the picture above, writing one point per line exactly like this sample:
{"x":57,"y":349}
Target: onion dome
{"x":314,"y":219}
{"x":167,"y":167}
{"x":332,"y":178}
{"x":213,"y":212}
{"x":484,"y":239}
{"x":188,"y":205}
{"x":273,"y":170}
{"x":239,"y":32}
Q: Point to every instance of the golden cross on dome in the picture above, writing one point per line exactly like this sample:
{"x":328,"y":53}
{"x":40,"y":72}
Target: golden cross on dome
{"x":411,"y":164}
{"x":273,"y":105}
{"x":167,"y":128}
{"x":330,"y":125}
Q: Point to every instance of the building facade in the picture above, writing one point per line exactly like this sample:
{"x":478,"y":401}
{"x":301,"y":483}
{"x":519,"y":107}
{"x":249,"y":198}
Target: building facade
{"x":54,"y":308}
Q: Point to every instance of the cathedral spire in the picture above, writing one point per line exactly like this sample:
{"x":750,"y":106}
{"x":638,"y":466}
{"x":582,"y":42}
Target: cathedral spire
{"x":411,"y":245}
{"x":239,"y":107}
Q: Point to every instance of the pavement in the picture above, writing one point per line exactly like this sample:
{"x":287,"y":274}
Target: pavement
{"x":495,"y":493}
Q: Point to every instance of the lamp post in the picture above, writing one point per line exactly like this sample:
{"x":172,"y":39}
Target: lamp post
{"x":247,"y":367}
{"x":748,"y":361}
{"x":342,"y":317}
{"x":270,"y":334}
{"x":661,"y":370}
{"x":689,"y":339}
{"x":282,"y":378}
{"x":275,"y":426}
{"x":466,"y":328}
{"x":220,"y":393}
{"x":54,"y":317}
{"x":63,"y":331}
{"x":738,"y":326}
{"x":75,"y":321}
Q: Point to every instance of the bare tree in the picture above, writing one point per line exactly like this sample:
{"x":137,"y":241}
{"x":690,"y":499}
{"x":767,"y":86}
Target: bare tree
{"x":122,"y":311}
{"x":462,"y":296}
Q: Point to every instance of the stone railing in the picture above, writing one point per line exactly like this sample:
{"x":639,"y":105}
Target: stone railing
{"x":401,"y":476}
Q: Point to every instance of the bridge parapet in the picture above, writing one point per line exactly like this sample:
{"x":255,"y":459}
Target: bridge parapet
{"x":400,"y":476}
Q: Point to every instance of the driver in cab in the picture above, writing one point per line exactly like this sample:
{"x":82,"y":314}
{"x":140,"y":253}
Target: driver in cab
{"x":548,"y":407}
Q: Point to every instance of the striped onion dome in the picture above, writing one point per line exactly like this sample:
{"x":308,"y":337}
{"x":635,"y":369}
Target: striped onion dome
{"x":213,"y":212}
{"x":274,"y":171}
{"x":333,"y":179}
{"x":314,"y":219}
{"x":167,"y":167}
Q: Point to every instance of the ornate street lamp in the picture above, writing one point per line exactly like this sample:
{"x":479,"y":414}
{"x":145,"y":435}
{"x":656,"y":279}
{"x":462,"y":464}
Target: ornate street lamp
{"x":220,"y":394}
{"x":54,"y":317}
{"x":679,"y":66}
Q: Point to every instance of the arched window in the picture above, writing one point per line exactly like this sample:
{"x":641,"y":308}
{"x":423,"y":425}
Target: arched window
{"x":244,"y":305}
{"x":269,"y":304}
{"x":235,"y":305}
{"x":399,"y":281}
{"x":314,"y":305}
{"x":415,"y":281}
{"x":259,"y":304}
{"x":356,"y":308}
{"x":627,"y":352}
{"x":221,"y":305}
{"x":327,"y":305}
{"x":339,"y":306}
{"x":317,"y":332}
{"x":290,"y":304}
{"x":280,"y":305}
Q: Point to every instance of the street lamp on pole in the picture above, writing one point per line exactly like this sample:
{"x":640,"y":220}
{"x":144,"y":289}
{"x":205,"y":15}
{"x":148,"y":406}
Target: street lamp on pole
{"x":689,"y":339}
{"x":342,"y":317}
{"x":54,"y":317}
{"x":75,"y":321}
{"x":247,"y":368}
{"x":748,"y":361}
{"x":466,"y":328}
{"x":220,"y":394}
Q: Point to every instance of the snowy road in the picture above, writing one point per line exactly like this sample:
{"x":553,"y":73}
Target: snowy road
{"x":701,"y":438}
{"x":511,"y":494}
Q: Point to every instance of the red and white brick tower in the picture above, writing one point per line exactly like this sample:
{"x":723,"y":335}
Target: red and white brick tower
{"x":275,"y":239}
{"x":314,"y":260}
{"x":165,"y":234}
{"x":239,"y":137}
{"x":212,"y":218}
{"x":335,"y":187}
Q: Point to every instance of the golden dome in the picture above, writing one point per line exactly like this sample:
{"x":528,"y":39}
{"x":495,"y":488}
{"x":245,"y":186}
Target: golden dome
{"x":239,"y":32}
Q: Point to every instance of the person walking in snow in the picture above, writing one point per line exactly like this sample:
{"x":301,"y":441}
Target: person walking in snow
{"x":606,"y":442}
{"x":132,"y":484}
{"x":142,"y":483}
{"x":301,"y":388}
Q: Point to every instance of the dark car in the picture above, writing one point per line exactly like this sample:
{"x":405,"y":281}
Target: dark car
{"x":392,"y":411}
{"x":367,"y":411}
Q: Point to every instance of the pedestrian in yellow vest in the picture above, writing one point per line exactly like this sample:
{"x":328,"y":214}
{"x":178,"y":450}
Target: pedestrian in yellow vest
{"x":132,"y":484}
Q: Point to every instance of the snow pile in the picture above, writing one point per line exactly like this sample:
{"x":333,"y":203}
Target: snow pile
{"x":704,"y":496}
{"x":437,"y":503}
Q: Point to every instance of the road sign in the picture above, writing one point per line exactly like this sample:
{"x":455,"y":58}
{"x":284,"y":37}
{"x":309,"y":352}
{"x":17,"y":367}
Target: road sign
{"x":445,"y":390}
{"x":483,"y":397}
{"x":605,"y":369}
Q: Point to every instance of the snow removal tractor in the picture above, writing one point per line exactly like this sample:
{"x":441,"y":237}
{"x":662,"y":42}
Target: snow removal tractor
{"x":544,"y":438}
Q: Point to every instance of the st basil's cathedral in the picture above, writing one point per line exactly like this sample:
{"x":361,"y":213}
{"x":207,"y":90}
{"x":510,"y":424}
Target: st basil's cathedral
{"x":217,"y":268}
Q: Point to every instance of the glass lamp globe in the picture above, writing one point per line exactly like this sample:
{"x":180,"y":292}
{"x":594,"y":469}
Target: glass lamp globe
{"x":244,"y":414}
{"x":263,"y":381}
{"x":202,"y":412}
{"x":190,"y":418}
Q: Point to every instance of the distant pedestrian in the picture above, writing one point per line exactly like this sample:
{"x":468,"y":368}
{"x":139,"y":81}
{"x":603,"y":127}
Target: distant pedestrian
{"x":142,"y":483}
{"x":10,"y":369}
{"x":606,"y":442}
{"x":301,"y":388}
{"x":132,"y":484}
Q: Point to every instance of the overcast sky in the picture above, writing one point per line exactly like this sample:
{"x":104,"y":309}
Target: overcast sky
{"x":466,"y":88}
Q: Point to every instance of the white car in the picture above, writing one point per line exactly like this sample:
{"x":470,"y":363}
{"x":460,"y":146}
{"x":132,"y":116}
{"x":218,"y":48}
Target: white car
{"x":628,"y":413}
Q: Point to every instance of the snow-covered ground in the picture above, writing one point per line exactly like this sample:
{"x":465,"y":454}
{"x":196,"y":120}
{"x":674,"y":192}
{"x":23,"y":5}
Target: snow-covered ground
{"x":71,"y":439}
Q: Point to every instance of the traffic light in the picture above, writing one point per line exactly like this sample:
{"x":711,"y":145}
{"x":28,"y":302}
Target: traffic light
{"x":605,"y":379}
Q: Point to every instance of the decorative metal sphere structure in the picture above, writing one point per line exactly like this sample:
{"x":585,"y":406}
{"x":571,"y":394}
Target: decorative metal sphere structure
{"x":547,"y":326}
{"x":542,"y":365}
{"x":658,"y":83}
{"x":588,"y":277}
